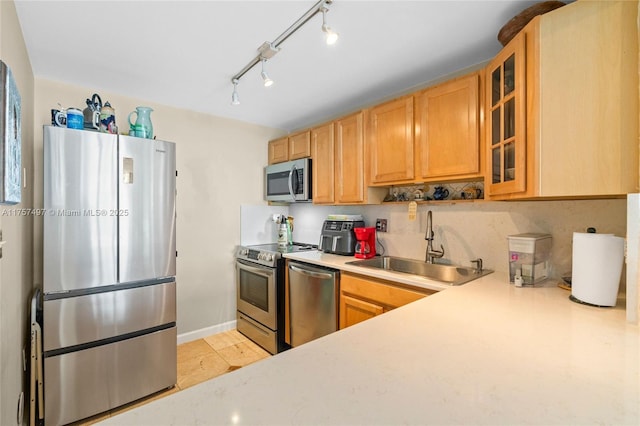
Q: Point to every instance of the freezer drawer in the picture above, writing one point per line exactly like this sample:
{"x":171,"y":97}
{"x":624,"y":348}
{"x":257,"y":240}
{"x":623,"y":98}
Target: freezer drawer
{"x":84,"y":383}
{"x":77,"y":320}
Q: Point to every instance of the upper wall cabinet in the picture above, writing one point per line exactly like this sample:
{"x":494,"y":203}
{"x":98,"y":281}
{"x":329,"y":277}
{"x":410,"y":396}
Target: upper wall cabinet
{"x":290,"y":148}
{"x":278,"y":150}
{"x":339,"y":166}
{"x":447,"y":130}
{"x":575,"y":131}
{"x":352,"y":183}
{"x":390,"y":141}
{"x":300,"y":145}
{"x":322,"y":168}
{"x":350,"y":159}
{"x":506,"y":119}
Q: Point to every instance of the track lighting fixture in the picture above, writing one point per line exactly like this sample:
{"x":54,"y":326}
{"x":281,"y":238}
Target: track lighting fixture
{"x":268,"y":49}
{"x":265,"y":77}
{"x":235,"y":99}
{"x":330,"y":36}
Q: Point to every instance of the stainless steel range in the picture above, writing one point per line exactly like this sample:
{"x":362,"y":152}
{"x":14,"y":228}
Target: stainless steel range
{"x":260,"y":276}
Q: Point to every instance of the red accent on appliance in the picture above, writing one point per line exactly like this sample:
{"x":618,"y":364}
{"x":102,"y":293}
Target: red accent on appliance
{"x":366,"y":242}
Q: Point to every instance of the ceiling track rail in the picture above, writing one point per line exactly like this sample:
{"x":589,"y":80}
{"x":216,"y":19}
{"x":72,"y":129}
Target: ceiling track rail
{"x":269,"y":49}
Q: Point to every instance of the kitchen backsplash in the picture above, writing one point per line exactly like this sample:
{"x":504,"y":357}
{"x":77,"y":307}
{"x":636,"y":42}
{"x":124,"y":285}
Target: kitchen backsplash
{"x":257,"y":225}
{"x":471,"y":230}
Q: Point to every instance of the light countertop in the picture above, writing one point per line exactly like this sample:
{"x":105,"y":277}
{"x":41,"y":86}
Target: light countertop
{"x":341,"y":262}
{"x":485,"y":352}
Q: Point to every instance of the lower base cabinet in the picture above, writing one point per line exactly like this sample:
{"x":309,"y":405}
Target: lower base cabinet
{"x":363,"y":297}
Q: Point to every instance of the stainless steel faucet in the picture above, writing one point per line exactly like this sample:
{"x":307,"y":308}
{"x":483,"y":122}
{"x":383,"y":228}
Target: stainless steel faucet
{"x":478,"y":263}
{"x":431,"y":254}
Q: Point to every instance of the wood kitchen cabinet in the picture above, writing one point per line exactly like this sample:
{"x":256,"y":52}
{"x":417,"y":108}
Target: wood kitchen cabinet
{"x":354,"y":310}
{"x":290,"y":148}
{"x":390,"y":142}
{"x":339,"y":165}
{"x":506,"y":118}
{"x":278,"y":150}
{"x":323,"y":170}
{"x":350,"y":159}
{"x":363,"y":297}
{"x":561,"y":121}
{"x":447,"y":130}
{"x":300,"y":145}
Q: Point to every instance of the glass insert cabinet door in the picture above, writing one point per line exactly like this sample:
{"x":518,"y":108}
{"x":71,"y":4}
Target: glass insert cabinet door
{"x":506,"y":119}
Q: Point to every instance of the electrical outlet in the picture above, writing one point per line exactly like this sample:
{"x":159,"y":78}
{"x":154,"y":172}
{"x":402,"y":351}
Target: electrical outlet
{"x":381,"y":225}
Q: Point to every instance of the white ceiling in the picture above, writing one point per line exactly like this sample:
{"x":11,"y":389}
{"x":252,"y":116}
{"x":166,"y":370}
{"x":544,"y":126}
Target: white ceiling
{"x":184,"y":53}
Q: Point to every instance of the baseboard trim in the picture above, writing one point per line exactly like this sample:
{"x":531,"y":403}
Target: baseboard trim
{"x":205,"y":332}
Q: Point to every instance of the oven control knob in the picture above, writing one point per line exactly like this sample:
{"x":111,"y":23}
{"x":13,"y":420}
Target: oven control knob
{"x":268,"y":257}
{"x":262,"y":256}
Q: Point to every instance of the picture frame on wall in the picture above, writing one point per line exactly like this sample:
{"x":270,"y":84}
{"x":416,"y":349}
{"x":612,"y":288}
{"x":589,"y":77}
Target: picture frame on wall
{"x":10,"y":138}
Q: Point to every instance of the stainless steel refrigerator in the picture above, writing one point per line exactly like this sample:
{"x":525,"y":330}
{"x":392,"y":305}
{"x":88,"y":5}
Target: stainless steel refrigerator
{"x":109,"y":290}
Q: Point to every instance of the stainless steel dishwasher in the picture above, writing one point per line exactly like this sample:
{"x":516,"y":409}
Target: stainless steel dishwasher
{"x":312,"y":302}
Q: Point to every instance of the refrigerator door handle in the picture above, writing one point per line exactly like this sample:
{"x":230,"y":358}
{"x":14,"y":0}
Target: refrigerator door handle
{"x":127,"y":170}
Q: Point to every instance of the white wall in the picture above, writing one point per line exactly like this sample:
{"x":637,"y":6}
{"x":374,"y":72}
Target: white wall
{"x":480,"y":229}
{"x":16,"y":265}
{"x":219,"y":167}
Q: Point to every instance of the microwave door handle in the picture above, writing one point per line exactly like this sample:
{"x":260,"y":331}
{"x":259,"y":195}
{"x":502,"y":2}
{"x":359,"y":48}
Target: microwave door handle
{"x":292,"y":173}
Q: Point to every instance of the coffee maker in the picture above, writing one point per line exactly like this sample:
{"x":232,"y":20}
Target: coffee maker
{"x":365,"y":242}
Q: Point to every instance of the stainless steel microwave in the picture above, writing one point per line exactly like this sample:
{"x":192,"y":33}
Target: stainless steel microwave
{"x":288,"y":182}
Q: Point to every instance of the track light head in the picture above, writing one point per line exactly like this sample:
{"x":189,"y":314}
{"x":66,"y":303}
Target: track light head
{"x":330,"y":36}
{"x":267,"y":81}
{"x":265,"y":77}
{"x":235,"y":99}
{"x":268,"y":49}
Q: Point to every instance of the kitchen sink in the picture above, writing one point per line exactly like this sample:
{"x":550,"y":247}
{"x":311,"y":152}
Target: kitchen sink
{"x":450,"y":274}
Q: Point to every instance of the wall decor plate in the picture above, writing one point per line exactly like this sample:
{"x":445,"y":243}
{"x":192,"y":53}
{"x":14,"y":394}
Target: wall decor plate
{"x":10,"y":138}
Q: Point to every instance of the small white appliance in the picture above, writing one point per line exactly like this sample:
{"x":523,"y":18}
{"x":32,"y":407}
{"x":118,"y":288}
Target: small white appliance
{"x":596,"y":268}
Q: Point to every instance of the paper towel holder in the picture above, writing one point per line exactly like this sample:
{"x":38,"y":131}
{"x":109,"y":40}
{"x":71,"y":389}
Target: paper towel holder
{"x":575,"y":299}
{"x":597,"y":261}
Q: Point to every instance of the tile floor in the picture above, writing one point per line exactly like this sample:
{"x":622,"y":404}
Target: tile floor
{"x":199,"y":361}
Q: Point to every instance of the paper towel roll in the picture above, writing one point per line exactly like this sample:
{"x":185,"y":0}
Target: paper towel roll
{"x":596,"y":268}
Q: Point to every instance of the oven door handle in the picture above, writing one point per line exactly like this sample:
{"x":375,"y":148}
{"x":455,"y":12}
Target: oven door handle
{"x":265,"y":271}
{"x":321,"y":275}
